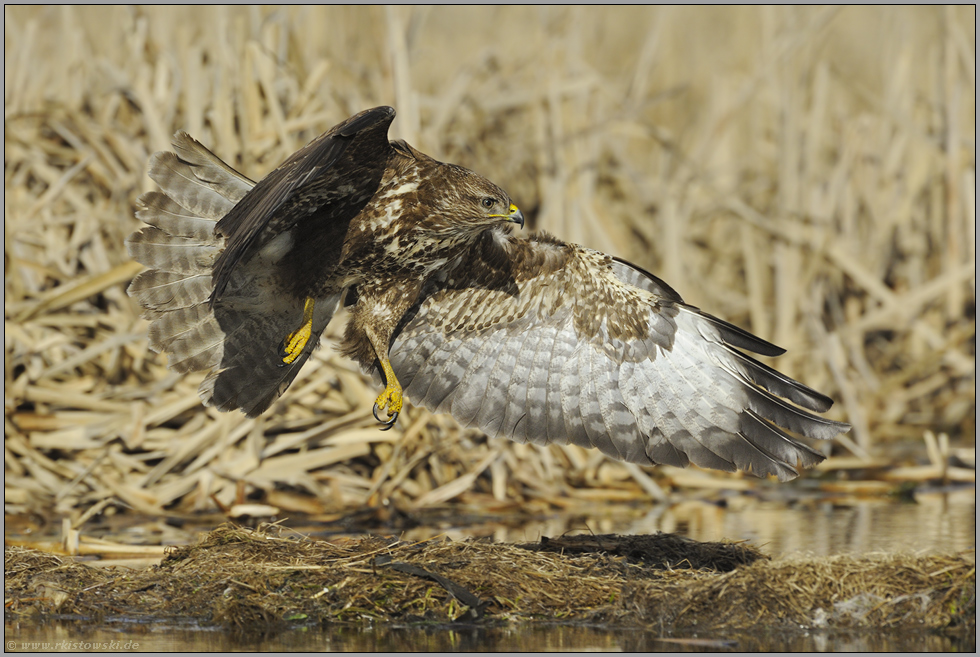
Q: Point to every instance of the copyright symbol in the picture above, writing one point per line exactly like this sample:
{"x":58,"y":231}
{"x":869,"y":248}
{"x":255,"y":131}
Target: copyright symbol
{"x":10,"y":645}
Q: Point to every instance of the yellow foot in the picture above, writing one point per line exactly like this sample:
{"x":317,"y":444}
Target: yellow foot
{"x":292,"y":346}
{"x":391,"y":397}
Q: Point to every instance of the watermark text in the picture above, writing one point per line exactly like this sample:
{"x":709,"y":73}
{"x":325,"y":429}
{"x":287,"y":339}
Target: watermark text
{"x":72,"y":646}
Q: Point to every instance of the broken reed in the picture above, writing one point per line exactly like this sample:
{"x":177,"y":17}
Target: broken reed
{"x":803,"y":172}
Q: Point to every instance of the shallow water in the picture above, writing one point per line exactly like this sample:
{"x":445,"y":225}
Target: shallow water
{"x":934,"y":523}
{"x":122,"y":636}
{"x":938,"y":522}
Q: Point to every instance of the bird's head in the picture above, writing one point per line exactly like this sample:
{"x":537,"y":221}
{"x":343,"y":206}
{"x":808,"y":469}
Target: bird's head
{"x":489,"y":205}
{"x":471,"y":204}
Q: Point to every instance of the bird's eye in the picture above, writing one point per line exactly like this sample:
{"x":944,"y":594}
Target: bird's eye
{"x":488,"y":202}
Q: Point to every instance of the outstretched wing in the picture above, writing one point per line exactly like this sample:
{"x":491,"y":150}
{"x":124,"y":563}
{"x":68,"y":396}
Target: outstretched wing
{"x":334,"y":176}
{"x":547,"y":342}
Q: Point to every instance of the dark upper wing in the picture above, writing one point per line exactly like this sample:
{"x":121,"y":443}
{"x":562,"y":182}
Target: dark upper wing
{"x":341,"y":169}
{"x":547,"y":342}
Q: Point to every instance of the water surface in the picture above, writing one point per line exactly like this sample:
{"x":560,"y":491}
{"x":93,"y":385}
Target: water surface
{"x":122,"y":636}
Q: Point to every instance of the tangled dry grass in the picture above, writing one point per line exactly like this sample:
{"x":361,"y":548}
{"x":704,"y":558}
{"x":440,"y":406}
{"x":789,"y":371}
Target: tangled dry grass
{"x":807,"y":173}
{"x":252,"y":580}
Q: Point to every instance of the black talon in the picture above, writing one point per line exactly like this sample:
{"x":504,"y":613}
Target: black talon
{"x":389,"y":423}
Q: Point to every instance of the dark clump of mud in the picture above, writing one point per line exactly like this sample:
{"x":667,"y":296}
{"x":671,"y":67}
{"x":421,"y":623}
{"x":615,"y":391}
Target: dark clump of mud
{"x":259,"y":579}
{"x":667,"y":551}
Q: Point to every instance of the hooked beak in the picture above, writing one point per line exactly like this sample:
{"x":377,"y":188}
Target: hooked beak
{"x":515,"y":216}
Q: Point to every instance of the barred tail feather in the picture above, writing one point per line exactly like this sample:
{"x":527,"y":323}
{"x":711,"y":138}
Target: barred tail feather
{"x":238,"y":340}
{"x":157,"y":209}
{"x":159,"y":291}
{"x":207,"y":167}
{"x":164,"y":252}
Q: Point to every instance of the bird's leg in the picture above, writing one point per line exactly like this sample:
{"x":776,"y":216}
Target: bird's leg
{"x":375,"y":317}
{"x":292,"y":345}
{"x":392,"y":396}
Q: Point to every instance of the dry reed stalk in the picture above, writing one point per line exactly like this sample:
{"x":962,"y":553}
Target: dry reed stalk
{"x":804,"y":172}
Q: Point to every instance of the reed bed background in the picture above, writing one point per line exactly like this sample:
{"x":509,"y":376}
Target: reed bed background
{"x":806,"y":173}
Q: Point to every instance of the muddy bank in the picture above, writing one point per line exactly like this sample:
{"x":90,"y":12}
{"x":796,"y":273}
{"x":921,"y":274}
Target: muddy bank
{"x":268,"y":578}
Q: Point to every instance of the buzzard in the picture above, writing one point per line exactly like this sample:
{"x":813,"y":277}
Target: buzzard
{"x":534,"y":339}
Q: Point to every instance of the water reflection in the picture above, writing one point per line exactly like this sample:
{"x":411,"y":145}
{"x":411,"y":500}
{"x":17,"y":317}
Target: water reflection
{"x":935,"y":523}
{"x":61,"y":636}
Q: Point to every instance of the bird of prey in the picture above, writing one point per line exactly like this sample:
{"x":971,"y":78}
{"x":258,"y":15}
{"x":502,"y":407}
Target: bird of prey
{"x":534,"y":339}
